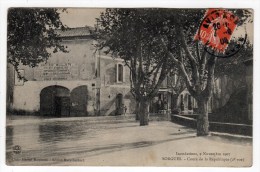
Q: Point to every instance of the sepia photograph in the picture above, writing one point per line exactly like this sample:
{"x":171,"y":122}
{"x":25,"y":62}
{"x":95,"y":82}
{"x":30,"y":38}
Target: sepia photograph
{"x":166,"y":87}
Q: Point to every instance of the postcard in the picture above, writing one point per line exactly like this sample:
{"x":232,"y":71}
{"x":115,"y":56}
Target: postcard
{"x":129,"y":87}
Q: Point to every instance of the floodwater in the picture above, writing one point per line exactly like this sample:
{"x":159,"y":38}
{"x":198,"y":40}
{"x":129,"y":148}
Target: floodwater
{"x":54,"y":138}
{"x":87,"y":140}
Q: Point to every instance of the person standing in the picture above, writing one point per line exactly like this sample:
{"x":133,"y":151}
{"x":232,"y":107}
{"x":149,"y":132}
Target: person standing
{"x":125,"y":109}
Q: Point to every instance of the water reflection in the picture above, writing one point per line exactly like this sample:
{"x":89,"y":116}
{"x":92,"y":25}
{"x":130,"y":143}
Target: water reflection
{"x":53,"y":132}
{"x":9,"y":143}
{"x":76,"y":138}
{"x":9,"y":136}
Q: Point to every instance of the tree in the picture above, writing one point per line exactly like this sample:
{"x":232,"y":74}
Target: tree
{"x":196,"y":65}
{"x":177,"y":83}
{"x":232,"y":70}
{"x":132,"y":34}
{"x":175,"y":29}
{"x":31,"y":32}
{"x":234,"y":67}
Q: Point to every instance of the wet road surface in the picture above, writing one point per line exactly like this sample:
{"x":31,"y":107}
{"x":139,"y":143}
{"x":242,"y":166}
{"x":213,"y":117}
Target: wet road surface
{"x":103,"y":141}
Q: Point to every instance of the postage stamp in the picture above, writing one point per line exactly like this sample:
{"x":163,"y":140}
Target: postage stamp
{"x":215,"y":32}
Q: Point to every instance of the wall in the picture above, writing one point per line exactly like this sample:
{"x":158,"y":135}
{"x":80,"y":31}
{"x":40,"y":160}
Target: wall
{"x":10,"y":86}
{"x":80,"y":57}
{"x":27,"y":97}
{"x":185,"y":93}
{"x":224,"y":87}
{"x":71,"y":70}
{"x":108,"y":98}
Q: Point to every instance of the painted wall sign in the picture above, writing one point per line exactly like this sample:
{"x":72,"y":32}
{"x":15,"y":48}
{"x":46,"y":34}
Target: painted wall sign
{"x":66,"y":71}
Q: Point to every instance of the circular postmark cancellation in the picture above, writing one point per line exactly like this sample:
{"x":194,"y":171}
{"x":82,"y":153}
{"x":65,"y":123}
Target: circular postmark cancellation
{"x":17,"y":149}
{"x":215,"y":33}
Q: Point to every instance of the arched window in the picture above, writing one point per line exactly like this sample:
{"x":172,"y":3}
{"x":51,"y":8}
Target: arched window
{"x":120,"y":73}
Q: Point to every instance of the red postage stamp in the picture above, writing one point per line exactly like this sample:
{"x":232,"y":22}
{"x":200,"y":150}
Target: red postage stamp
{"x":216,"y":29}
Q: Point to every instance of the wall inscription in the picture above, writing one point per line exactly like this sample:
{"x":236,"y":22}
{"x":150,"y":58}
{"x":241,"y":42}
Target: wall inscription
{"x":47,"y":72}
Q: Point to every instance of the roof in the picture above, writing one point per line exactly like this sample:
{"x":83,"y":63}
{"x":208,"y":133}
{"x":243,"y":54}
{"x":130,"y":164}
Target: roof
{"x":75,"y":32}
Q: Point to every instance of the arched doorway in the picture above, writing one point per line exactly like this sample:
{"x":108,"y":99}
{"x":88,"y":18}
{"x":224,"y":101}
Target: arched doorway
{"x":55,"y":101}
{"x":79,"y":101}
{"x":119,"y":104}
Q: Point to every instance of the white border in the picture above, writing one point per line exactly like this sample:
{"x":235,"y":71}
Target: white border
{"x":5,"y":4}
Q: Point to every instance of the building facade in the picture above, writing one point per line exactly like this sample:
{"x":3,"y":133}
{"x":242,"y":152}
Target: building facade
{"x":82,"y":82}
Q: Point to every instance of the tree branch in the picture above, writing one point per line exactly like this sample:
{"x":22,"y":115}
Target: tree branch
{"x":163,"y":74}
{"x":180,"y":65}
{"x":185,"y":75}
{"x":198,"y":51}
{"x":181,"y":36}
{"x":210,"y":80}
{"x":203,"y":62}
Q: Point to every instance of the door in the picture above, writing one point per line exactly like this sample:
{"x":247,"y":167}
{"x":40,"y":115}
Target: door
{"x":57,"y":101}
{"x":119,"y":104}
{"x":65,"y":106}
{"x":79,"y":101}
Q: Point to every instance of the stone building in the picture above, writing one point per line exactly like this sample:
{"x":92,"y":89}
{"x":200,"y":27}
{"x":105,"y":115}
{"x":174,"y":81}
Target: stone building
{"x":82,"y":82}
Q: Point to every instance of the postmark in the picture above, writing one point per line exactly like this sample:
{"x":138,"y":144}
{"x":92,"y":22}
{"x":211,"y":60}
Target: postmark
{"x":215,"y":33}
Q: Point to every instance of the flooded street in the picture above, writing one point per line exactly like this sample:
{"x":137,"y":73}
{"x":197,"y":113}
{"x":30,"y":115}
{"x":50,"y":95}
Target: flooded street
{"x":104,"y":141}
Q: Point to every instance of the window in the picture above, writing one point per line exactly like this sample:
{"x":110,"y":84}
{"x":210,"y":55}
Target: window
{"x":120,"y":73}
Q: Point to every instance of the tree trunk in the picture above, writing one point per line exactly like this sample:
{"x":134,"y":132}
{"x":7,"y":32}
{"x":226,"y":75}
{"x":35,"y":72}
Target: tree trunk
{"x":202,"y":120}
{"x":137,"y":110}
{"x":144,"y":111}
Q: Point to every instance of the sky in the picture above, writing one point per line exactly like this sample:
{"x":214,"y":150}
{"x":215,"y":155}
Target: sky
{"x":80,"y":17}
